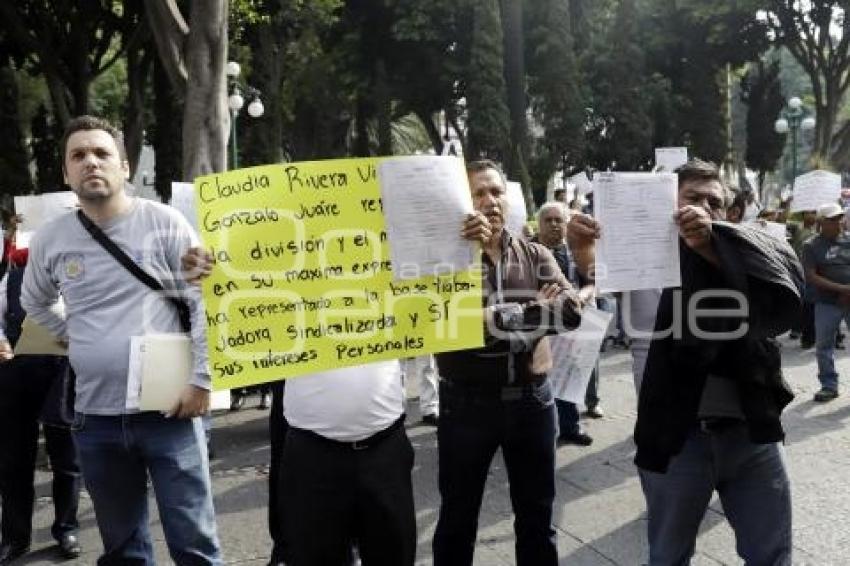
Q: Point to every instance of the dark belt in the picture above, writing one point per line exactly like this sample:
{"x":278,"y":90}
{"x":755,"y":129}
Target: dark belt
{"x":718,"y":424}
{"x":504,"y":393}
{"x":364,"y":444}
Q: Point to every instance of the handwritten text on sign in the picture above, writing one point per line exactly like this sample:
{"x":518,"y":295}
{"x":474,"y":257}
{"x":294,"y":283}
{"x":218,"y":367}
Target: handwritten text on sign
{"x":303,"y":280}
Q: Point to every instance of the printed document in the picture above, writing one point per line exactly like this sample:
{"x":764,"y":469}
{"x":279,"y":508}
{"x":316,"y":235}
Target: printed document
{"x":814,"y":189}
{"x":639,"y":245}
{"x":668,"y":159}
{"x":574,"y":355}
{"x":425,"y":200}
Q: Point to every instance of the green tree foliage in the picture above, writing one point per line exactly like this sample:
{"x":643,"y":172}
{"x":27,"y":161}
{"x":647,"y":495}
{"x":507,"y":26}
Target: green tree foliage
{"x":45,"y":150}
{"x":488,"y":118}
{"x":14,"y":160}
{"x":817,"y":34}
{"x":557,"y":100}
{"x":618,"y":126}
{"x":762,"y":92}
{"x":690,"y":43}
{"x":70,"y":43}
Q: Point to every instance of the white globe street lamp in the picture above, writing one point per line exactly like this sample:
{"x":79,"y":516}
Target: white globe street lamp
{"x":808,"y":123}
{"x":792,"y":120}
{"x":233,"y":69}
{"x":256,"y":108}
{"x":236,"y":101}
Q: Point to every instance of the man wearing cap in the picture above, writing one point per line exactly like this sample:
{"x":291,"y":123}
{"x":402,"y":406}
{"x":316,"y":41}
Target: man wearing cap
{"x":826,"y":260}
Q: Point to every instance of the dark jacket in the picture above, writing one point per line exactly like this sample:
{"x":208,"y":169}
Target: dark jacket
{"x":524,"y":268}
{"x":767,"y":273}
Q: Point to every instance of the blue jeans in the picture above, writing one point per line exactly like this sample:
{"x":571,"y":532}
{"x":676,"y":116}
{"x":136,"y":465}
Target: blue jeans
{"x":753,"y":486}
{"x":474,"y":423}
{"x":117,"y":454}
{"x":827,"y":320}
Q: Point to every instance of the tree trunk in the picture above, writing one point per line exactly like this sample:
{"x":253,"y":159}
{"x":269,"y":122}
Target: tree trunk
{"x":384,"y":109}
{"x":431,"y":129}
{"x":514,"y":68}
{"x":360,"y":147}
{"x":205,"y":115}
{"x":514,"y":57}
{"x":167,"y":133}
{"x":138,"y":69}
{"x":171,"y":33}
{"x":263,"y":142}
{"x":14,"y":157}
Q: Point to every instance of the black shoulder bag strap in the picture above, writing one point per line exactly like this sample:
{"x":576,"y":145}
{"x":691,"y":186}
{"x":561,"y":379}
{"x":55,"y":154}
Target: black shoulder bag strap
{"x":183,"y":311}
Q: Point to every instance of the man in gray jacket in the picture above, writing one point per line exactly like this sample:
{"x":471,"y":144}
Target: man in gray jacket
{"x":106,"y":305}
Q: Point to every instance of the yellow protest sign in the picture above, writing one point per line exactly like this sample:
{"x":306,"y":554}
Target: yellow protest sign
{"x":303,"y":280}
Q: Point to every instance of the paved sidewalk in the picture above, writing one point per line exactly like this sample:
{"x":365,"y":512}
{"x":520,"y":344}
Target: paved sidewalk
{"x":599,"y":514}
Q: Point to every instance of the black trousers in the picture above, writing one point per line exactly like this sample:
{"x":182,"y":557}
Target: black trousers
{"x":338,"y":497}
{"x":24,"y":382}
{"x":474,"y":424}
{"x":277,"y":433}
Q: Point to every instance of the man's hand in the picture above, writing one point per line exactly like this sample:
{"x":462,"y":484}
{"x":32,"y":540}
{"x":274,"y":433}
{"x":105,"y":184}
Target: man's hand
{"x":6,"y":352}
{"x":197,"y":264}
{"x":193,"y":402}
{"x":694,"y":227}
{"x":582,"y":230}
{"x":476,"y":227}
{"x":548,"y":292}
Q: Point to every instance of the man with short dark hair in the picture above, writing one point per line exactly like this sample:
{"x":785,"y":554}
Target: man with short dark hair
{"x":709,"y":379}
{"x":826,"y":259}
{"x":105,"y":305}
{"x":499,"y":396}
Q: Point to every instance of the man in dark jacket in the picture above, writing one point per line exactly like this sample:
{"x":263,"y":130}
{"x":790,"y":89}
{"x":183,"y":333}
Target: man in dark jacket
{"x":499,"y":395}
{"x":710,"y":388}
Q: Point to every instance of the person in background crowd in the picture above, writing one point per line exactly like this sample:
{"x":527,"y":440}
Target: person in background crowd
{"x":423,"y":369}
{"x":826,"y":259}
{"x":710,"y":398}
{"x":801,"y":231}
{"x":26,"y":383}
{"x":238,"y":396}
{"x":552,"y":221}
{"x":735,"y":212}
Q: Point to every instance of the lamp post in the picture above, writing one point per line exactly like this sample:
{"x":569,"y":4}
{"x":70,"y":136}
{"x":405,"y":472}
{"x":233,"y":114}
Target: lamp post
{"x":235,"y":102}
{"x":794,"y":119}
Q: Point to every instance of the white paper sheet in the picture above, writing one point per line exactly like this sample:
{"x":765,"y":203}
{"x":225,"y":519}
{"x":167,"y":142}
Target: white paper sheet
{"x":134,"y":373}
{"x":426,"y":199}
{"x":582,"y":183}
{"x":160,"y":368}
{"x":37,"y":210}
{"x":517,"y":213}
{"x":639,"y":246}
{"x":814,"y":189}
{"x":670,"y":158}
{"x":166,"y":369}
{"x":574,"y":355}
{"x":183,"y":199}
